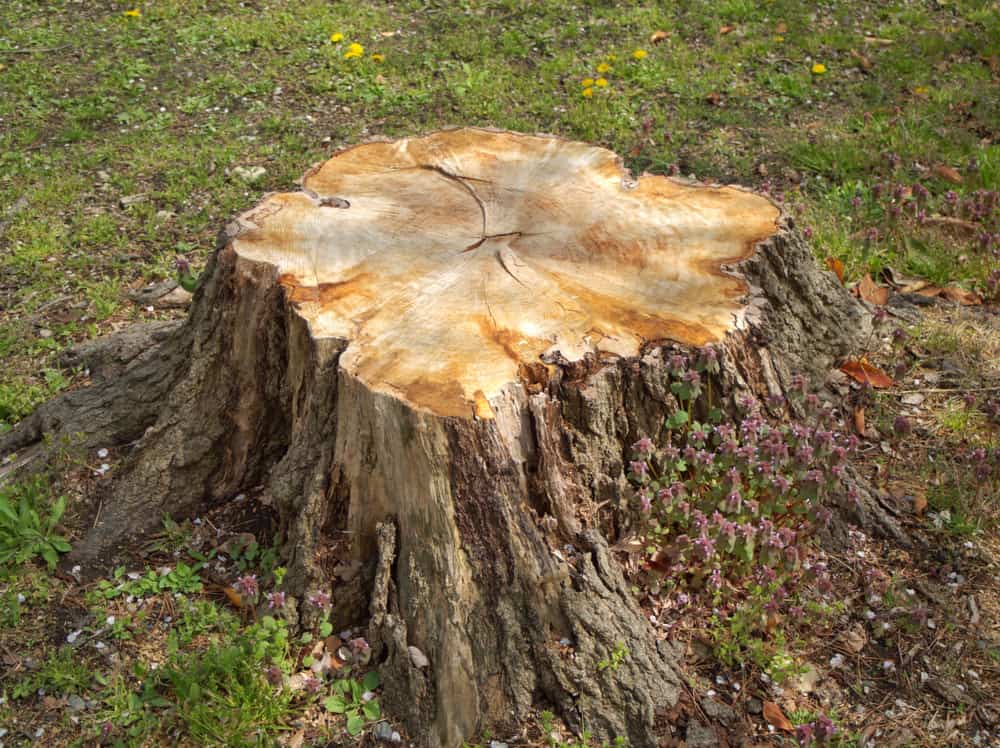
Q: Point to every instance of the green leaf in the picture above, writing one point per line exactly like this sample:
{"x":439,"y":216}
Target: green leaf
{"x":335,"y":704}
{"x":325,"y":629}
{"x":371,"y":681}
{"x":677,"y":419}
{"x":57,"y":512}
{"x":50,"y":556}
{"x":59,"y":543}
{"x":372,"y":710}
{"x":355,"y":724}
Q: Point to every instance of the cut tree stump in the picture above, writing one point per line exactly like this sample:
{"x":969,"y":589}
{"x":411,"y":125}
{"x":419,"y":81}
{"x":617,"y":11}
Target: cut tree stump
{"x":432,"y":360}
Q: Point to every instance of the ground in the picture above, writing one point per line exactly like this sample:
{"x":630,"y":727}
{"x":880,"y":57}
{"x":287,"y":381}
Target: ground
{"x":130,"y":134}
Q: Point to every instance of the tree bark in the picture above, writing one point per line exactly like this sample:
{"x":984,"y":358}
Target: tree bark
{"x":471,"y":501}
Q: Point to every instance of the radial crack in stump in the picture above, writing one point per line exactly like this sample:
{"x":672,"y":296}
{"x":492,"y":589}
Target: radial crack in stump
{"x":452,"y":262}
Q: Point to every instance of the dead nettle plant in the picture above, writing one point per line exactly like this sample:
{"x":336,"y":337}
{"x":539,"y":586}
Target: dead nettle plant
{"x":729,"y":510}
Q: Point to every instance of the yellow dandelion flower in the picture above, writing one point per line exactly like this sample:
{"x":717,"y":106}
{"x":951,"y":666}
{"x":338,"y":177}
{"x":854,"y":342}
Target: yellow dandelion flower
{"x":355,"y":50}
{"x":779,"y":39}
{"x":611,"y":58}
{"x":603,"y":67}
{"x":587,"y":82}
{"x":639,"y":54}
{"x":588,"y":92}
{"x":336,"y":37}
{"x":134,"y":13}
{"x":601,"y":82}
{"x":921,"y":90}
{"x":818,"y":69}
{"x":378,"y":58}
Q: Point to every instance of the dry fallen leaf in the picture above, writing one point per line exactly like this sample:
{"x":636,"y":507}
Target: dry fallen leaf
{"x":956,"y":226}
{"x":781,"y":28}
{"x":836,"y":266}
{"x":948,"y":173}
{"x":726,"y":30}
{"x":658,"y":36}
{"x":859,"y":420}
{"x":919,"y":504}
{"x":776,"y":717}
{"x":871,"y":291}
{"x":878,"y":41}
{"x":234,"y":597}
{"x":714,"y":98}
{"x":961,"y":296}
{"x":862,"y":59}
{"x":862,"y":371}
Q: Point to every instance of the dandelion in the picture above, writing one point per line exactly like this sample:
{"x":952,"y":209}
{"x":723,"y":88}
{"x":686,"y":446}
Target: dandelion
{"x":601,"y":82}
{"x":336,"y":37}
{"x":587,"y":92}
{"x":133,"y":13}
{"x":353,"y":51}
{"x":378,"y":58}
{"x":818,"y":69}
{"x":587,"y":82}
{"x":639,"y":54}
{"x":603,"y":68}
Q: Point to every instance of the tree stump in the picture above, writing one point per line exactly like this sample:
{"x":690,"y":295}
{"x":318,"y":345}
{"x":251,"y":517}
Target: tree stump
{"x":432,"y":360}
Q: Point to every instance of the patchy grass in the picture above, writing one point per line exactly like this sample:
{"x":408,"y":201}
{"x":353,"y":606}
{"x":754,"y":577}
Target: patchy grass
{"x":121,"y":142}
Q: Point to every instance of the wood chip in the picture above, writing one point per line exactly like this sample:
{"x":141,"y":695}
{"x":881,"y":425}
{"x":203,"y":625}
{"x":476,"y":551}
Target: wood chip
{"x":658,"y":36}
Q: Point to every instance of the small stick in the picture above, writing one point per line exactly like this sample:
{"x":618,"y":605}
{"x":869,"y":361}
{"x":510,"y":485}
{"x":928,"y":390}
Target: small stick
{"x":953,"y":390}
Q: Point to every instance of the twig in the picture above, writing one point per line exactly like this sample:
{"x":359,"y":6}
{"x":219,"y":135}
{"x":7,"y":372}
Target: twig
{"x":33,"y":50}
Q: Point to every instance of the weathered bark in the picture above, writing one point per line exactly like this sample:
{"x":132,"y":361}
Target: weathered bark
{"x":471,"y":503}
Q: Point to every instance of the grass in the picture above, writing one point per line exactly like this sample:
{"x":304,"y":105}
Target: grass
{"x":120,"y":140}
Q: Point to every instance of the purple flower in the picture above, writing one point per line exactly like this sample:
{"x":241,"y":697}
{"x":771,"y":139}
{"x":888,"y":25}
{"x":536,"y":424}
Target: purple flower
{"x":276,"y":600}
{"x":645,"y":501}
{"x":901,"y":426}
{"x":825,"y":729}
{"x":644,"y":446}
{"x":734,"y":501}
{"x":704,"y":458}
{"x":671,"y":453}
{"x":247,"y":585}
{"x":804,"y":734}
{"x":705,"y":546}
{"x":781,"y":483}
{"x":359,"y":645}
{"x":320,"y":600}
{"x":677,"y":364}
{"x":715,"y":580}
{"x":312,"y":685}
{"x":639,"y":467}
{"x":274,"y":676}
{"x":693,"y":378}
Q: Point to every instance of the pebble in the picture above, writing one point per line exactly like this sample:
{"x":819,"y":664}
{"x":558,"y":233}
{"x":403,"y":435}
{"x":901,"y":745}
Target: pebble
{"x":497,"y":744}
{"x":383,"y":731}
{"x":75,"y":703}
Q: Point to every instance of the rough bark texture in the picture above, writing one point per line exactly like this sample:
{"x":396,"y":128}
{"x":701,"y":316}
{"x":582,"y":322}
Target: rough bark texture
{"x":478,"y":537}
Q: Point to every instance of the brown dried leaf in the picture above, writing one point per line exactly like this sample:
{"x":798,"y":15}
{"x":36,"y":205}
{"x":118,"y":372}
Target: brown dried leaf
{"x":919,"y":504}
{"x":961,"y":296}
{"x":993,"y":62}
{"x":948,"y":173}
{"x":871,"y":291}
{"x":862,"y":371}
{"x":658,"y":36}
{"x":781,"y":28}
{"x":862,"y":59}
{"x":776,"y":717}
{"x":859,"y":420}
{"x":855,"y":638}
{"x":836,"y":266}
{"x":878,"y":41}
{"x":726,"y":30}
{"x":233,"y":597}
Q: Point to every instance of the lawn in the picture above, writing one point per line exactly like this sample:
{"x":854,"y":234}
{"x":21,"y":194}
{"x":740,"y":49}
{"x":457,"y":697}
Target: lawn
{"x":130,"y":134}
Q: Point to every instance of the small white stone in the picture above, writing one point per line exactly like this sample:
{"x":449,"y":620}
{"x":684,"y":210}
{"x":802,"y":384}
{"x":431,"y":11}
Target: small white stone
{"x":73,"y":636}
{"x":837,"y":660}
{"x":102,"y":453}
{"x":110,"y":620}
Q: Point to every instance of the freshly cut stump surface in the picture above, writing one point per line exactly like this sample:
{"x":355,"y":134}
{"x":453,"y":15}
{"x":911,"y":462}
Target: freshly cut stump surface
{"x":456,"y":264}
{"x":431,"y":363}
